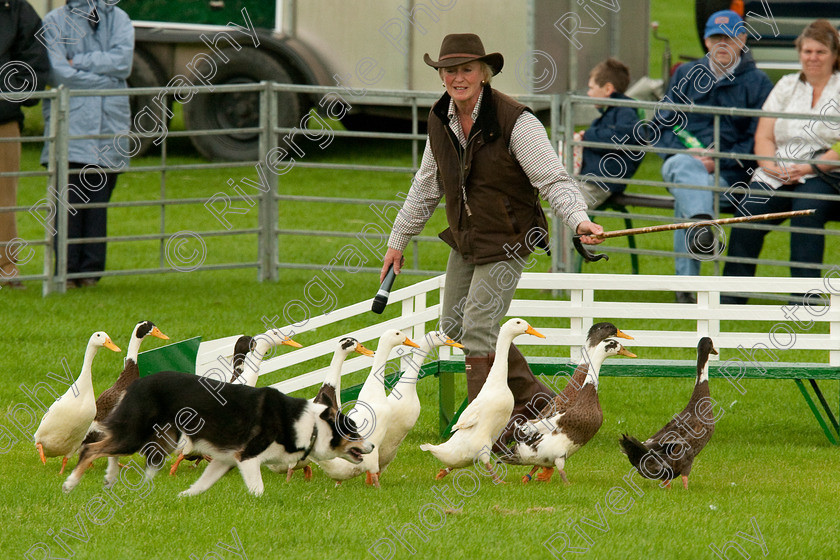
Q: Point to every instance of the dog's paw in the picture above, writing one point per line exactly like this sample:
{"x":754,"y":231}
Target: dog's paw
{"x":68,"y":486}
{"x":185,"y":494}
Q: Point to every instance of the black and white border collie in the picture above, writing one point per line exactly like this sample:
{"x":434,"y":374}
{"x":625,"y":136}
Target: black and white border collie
{"x":234,"y":424}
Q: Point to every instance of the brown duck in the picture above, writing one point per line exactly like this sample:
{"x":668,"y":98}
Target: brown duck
{"x":670,"y":452}
{"x":551,"y":441}
{"x":244,"y":344}
{"x":111,"y":397}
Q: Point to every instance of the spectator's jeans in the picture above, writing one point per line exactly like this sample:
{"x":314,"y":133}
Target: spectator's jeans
{"x":688,"y":170}
{"x":804,"y":247}
{"x":87,"y":222}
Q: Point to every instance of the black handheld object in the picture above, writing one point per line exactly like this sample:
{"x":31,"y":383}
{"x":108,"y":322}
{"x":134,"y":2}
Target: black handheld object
{"x":587,"y":255}
{"x":381,"y":299}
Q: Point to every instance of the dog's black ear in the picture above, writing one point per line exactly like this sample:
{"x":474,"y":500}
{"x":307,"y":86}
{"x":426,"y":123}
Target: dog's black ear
{"x":327,"y":397}
{"x":329,"y":415}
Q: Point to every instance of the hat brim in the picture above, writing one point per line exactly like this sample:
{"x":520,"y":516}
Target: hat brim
{"x":495,"y":60}
{"x":726,"y":32}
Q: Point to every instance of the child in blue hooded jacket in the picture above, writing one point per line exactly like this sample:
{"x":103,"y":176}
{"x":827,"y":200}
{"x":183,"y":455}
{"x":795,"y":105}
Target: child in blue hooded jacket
{"x":609,"y":79}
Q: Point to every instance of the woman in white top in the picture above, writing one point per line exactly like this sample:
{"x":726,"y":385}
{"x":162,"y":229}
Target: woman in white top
{"x":814,"y":90}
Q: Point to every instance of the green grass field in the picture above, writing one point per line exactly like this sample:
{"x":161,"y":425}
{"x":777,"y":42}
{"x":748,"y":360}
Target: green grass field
{"x":768,"y":464}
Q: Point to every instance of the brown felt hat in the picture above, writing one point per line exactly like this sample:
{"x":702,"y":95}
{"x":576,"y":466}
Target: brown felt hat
{"x":460,"y":48}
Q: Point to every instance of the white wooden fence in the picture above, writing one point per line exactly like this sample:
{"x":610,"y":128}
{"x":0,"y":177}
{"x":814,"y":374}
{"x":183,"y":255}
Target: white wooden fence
{"x":589,"y":300}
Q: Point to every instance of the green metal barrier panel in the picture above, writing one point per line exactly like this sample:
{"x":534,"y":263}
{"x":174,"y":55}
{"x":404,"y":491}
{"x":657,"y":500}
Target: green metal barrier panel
{"x":212,"y":13}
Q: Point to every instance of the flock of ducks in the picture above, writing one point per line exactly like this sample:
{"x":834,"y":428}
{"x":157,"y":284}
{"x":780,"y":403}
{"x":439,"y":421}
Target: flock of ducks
{"x":564,"y":425}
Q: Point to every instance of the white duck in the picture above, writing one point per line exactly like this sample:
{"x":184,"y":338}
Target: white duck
{"x":64,"y":426}
{"x":549,"y":442}
{"x":328,"y":395}
{"x":485,"y":417}
{"x":405,"y":404}
{"x":371,"y":414}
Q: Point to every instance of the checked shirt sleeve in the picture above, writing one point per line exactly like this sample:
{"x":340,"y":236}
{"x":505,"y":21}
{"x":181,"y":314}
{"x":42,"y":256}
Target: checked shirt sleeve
{"x":530,"y":146}
{"x":423,"y":197}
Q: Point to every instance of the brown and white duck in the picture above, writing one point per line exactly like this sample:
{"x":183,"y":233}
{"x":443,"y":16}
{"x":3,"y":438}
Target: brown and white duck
{"x":111,"y":397}
{"x":263,"y":343}
{"x":566,"y":398}
{"x":670,"y":452}
{"x":549,"y":442}
{"x":243,"y":345}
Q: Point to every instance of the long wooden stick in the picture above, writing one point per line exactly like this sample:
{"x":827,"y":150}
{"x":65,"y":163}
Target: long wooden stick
{"x":592,"y":257}
{"x":686,"y":225}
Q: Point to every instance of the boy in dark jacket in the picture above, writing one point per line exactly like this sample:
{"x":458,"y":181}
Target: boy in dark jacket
{"x":609,"y":79}
{"x":24,"y":68}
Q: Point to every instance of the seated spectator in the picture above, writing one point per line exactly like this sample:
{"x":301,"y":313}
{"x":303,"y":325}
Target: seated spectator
{"x":726,"y":77}
{"x":812,"y":90}
{"x":609,"y":79}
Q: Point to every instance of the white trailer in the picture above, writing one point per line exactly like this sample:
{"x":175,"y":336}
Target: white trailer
{"x":549,"y":47}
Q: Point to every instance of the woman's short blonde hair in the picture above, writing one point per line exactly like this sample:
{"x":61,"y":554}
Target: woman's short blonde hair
{"x":485,"y":68}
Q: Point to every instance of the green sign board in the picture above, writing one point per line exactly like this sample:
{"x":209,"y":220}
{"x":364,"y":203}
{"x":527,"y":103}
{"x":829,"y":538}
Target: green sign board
{"x":179,"y":356}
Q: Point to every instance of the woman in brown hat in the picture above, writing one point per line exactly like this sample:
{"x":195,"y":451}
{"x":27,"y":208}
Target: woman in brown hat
{"x":489,"y":156}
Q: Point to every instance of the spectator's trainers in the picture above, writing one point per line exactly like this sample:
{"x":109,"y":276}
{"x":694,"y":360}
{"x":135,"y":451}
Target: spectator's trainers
{"x":686,"y":297}
{"x":701,"y":240}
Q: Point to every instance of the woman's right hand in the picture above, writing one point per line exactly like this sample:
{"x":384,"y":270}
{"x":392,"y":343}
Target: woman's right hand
{"x":788,"y":173}
{"x":392,"y":256}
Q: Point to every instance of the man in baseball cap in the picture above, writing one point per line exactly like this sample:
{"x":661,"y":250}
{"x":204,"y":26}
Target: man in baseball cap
{"x":724,"y":22}
{"x":726,"y":77}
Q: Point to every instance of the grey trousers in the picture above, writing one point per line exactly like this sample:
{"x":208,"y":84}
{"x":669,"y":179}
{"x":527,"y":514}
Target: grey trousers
{"x":475,"y":299}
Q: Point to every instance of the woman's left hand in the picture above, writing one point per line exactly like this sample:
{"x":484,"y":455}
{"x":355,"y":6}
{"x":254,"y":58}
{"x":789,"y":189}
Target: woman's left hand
{"x":588,"y":230}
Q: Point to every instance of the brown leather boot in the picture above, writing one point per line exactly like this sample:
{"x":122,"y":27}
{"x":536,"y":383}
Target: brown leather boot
{"x":477,"y":369}
{"x":525,"y":387}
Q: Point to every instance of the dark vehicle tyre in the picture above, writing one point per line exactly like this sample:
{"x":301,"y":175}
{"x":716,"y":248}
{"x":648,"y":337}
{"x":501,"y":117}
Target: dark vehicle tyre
{"x":238,"y":110}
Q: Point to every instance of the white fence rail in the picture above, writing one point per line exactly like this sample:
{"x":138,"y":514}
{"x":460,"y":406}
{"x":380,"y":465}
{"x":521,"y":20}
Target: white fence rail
{"x":589,"y":301}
